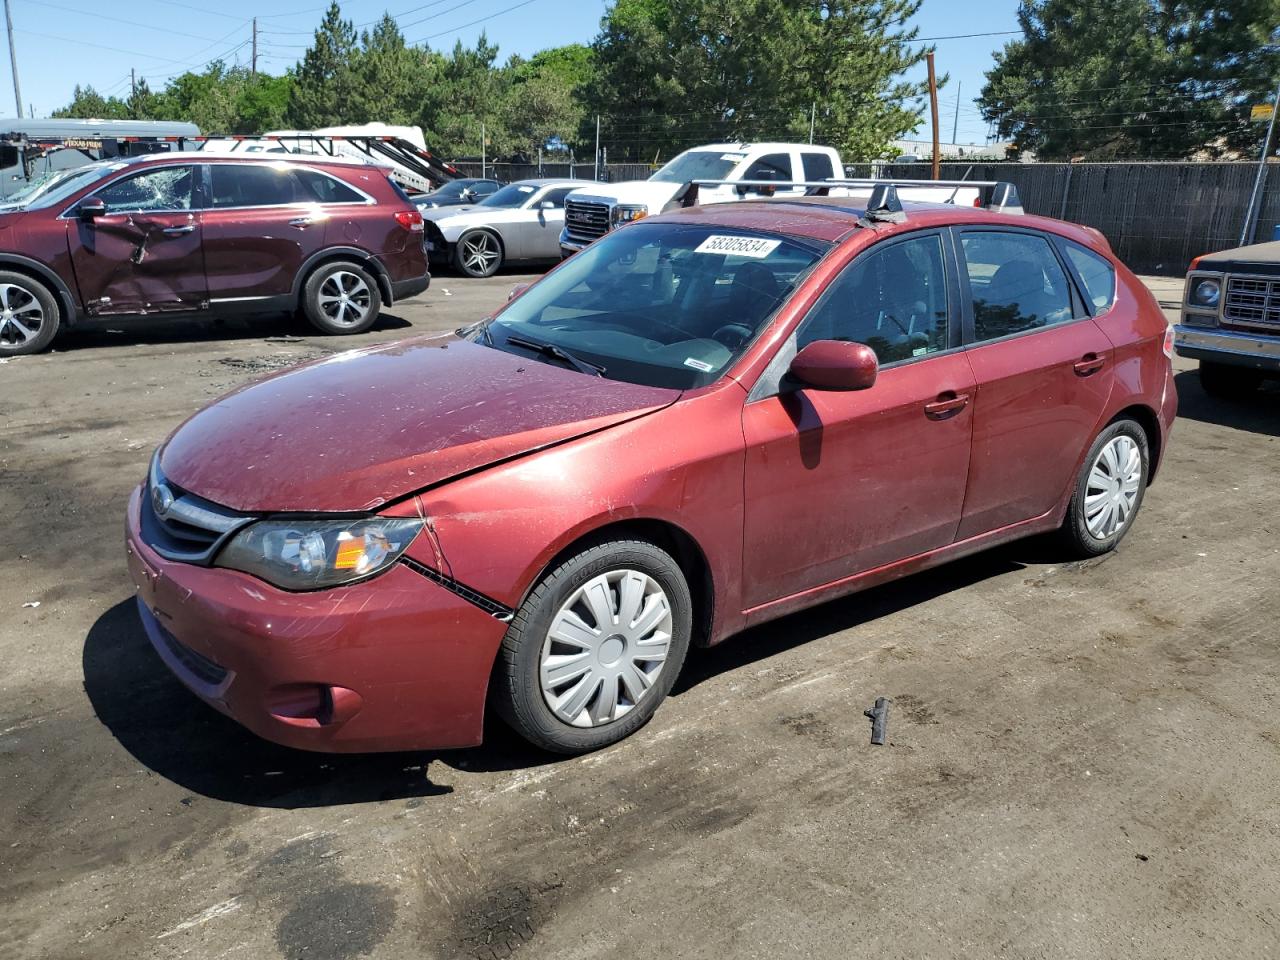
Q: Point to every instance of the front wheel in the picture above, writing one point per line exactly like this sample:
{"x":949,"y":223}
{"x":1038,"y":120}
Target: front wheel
{"x":595,"y":648}
{"x":341,"y":298}
{"x":1109,"y":490}
{"x":478,"y":253}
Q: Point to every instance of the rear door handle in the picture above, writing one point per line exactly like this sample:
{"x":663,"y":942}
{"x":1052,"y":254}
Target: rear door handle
{"x":1088,"y":365}
{"x":947,"y":405}
{"x":177,"y":231}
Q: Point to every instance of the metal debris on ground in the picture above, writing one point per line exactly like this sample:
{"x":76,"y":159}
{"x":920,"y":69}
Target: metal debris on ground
{"x":879,"y":717}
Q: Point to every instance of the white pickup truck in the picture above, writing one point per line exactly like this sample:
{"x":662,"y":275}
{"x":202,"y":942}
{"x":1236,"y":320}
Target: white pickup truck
{"x":593,"y":211}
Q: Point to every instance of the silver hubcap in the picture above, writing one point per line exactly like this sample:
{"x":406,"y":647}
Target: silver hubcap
{"x":1112,"y":492}
{"x":605,"y":648}
{"x":21,"y":316}
{"x":479,"y":252}
{"x":345,"y":298}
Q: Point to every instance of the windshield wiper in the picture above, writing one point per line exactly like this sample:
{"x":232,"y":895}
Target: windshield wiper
{"x":559,"y":353}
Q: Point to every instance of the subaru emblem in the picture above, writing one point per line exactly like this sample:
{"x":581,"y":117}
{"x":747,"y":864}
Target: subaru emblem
{"x":161,"y":499}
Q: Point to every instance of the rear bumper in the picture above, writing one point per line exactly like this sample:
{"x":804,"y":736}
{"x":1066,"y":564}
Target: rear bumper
{"x":404,"y":289}
{"x":1257,"y":351}
{"x":393,"y":663}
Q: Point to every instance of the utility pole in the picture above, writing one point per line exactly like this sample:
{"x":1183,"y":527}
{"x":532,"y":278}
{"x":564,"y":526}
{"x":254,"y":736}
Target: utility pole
{"x":133,"y":95}
{"x":596,"y":176}
{"x":933,"y":112}
{"x":13,"y":58}
{"x":813,"y":114}
{"x":955,"y":124}
{"x":482,"y":153}
{"x":253,"y":62}
{"x":1249,"y":232}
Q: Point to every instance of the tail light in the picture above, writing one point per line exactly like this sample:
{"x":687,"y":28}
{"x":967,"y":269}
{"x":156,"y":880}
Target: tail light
{"x":1168,"y":342}
{"x":977,"y":201}
{"x":411,"y":220}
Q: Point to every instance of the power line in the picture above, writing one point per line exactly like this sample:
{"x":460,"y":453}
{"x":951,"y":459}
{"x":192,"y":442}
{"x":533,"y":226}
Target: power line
{"x":129,"y":23}
{"x":445,"y":33}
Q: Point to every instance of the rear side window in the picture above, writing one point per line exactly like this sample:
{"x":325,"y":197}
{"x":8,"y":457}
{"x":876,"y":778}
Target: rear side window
{"x":894,"y":300}
{"x":772,"y":166}
{"x":1016,"y":281}
{"x":817,"y":166}
{"x":1098,"y":274}
{"x":253,"y":185}
{"x":321,"y":188}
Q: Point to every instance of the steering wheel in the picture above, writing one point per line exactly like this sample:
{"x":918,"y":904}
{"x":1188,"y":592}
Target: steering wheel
{"x":732,"y":335}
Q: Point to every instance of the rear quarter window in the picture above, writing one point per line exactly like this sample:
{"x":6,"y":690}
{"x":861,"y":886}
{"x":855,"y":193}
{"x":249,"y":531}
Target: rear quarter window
{"x":1097,"y":274}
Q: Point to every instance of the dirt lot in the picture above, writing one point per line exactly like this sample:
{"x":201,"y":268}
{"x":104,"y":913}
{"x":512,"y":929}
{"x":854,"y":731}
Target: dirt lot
{"x":1083,"y":763}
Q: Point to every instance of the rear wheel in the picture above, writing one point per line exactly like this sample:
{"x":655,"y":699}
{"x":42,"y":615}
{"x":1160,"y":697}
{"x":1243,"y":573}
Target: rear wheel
{"x":341,"y":298}
{"x":478,"y":253}
{"x":596,"y":647}
{"x":1228,"y":382}
{"x":28,"y":315}
{"x":1109,"y":490}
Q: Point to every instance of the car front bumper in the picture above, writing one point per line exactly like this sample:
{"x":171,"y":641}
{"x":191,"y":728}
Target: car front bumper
{"x":396,"y":662}
{"x":1258,"y":351}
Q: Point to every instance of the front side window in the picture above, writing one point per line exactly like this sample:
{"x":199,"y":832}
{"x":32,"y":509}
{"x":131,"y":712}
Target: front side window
{"x":1097,"y":274}
{"x":1016,"y":281}
{"x":166,"y":188}
{"x":894,"y":300}
{"x":557,"y":195}
{"x":659,"y":304}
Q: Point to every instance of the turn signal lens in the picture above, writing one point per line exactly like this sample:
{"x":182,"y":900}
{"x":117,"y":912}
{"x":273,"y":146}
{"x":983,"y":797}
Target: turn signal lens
{"x":312,"y":554}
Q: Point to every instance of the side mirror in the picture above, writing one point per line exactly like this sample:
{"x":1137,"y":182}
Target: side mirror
{"x":546,"y":205}
{"x":91,"y":208}
{"x":835,"y":365}
{"x":468,"y":195}
{"x":518,"y":289}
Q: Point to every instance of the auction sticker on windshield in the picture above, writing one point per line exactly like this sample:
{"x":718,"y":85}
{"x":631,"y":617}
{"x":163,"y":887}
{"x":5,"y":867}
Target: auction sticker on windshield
{"x":738,"y":246}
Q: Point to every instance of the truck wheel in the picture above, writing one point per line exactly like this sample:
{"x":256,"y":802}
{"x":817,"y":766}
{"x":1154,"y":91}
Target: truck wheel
{"x":595,"y":648}
{"x":478,"y":253}
{"x":341,"y":298}
{"x":1228,"y":382}
{"x":28,"y":315}
{"x":1109,"y":490}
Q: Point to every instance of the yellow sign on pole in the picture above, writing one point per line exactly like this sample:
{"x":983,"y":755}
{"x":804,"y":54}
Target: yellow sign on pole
{"x":1260,"y":113}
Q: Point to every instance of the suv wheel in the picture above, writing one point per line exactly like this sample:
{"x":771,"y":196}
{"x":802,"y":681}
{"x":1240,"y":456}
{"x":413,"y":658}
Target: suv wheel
{"x":28,"y":315}
{"x":595,"y":648}
{"x":1227,"y":382}
{"x":478,"y":253}
{"x":341,"y":298}
{"x":1109,"y":490}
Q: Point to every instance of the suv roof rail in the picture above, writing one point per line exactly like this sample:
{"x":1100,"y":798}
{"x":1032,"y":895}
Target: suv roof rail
{"x":999,"y":195}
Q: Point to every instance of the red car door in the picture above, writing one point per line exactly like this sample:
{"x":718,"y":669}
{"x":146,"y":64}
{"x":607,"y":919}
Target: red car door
{"x":1044,"y":373}
{"x":261,"y":226}
{"x":839,"y":483}
{"x":145,"y":254}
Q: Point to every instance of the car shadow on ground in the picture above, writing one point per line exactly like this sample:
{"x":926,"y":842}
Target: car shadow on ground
{"x":169,"y":731}
{"x":1259,"y":412}
{"x":130,"y":332}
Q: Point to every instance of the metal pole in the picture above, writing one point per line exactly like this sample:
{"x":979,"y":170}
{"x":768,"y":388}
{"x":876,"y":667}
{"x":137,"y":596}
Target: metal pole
{"x":1066,"y":189}
{"x":813,"y":114}
{"x":933,"y":112}
{"x":1250,"y":230}
{"x":13,"y":58}
{"x":253,"y":68}
{"x":482,"y":154}
{"x":955,"y":124}
{"x":596,"y":176}
{"x":133,"y":97}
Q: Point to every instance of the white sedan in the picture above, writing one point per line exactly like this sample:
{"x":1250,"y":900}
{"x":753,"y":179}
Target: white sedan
{"x":519,"y":223}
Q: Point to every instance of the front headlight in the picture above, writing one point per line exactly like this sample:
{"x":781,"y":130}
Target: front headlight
{"x":625,"y":214}
{"x":312,"y":554}
{"x":1205,"y":293}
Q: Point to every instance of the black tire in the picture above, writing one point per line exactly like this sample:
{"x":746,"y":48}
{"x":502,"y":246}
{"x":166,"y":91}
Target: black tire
{"x":334,"y":279}
{"x":1229,"y":382}
{"x":469,"y":258}
{"x":516,"y":693}
{"x":28,"y":305}
{"x":1075,"y":527}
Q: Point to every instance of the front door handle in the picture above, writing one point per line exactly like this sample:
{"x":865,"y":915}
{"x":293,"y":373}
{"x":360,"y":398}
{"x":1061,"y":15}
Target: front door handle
{"x":1088,"y":365}
{"x":947,"y":405}
{"x":178,"y":231}
{"x":301,"y":222}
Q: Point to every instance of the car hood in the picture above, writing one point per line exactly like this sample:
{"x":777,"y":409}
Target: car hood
{"x":359,"y":429}
{"x":654,"y":194}
{"x":1257,"y":258}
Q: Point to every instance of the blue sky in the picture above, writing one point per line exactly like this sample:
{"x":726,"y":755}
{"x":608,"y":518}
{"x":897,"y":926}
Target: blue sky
{"x":64,"y":42}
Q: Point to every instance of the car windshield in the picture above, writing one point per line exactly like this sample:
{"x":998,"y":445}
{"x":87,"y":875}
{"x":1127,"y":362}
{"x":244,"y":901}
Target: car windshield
{"x":453,"y":190}
{"x":661,"y":304}
{"x":76,"y":180}
{"x":699,"y":165}
{"x":512,"y":195}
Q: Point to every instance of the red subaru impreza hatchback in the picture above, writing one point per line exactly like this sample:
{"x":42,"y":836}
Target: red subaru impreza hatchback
{"x":705,"y":420}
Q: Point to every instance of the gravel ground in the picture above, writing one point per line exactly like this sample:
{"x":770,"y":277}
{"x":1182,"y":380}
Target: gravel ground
{"x":1083,"y":757}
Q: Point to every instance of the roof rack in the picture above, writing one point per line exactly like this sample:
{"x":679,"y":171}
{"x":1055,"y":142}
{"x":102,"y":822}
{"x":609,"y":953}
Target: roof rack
{"x":885,"y":202}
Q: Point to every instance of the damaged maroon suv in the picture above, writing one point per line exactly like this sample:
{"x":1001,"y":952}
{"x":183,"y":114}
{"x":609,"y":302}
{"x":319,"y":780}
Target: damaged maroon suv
{"x":200,"y":235}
